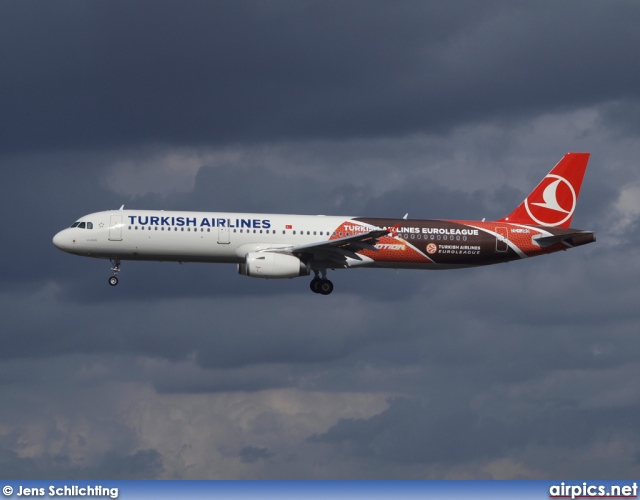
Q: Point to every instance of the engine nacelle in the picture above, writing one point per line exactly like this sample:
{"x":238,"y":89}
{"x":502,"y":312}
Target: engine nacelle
{"x":272,"y":266}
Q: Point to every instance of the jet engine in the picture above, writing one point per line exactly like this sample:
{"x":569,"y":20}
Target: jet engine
{"x":272,"y":265}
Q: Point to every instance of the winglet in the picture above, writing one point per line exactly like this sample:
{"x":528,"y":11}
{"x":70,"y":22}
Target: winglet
{"x":553,"y":201}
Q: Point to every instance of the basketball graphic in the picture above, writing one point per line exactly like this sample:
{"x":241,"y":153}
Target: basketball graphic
{"x":432,"y":248}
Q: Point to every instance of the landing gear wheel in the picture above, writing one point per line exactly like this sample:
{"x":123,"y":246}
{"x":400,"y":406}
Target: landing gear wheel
{"x":315,"y":285}
{"x":325,"y":287}
{"x":115,"y":267}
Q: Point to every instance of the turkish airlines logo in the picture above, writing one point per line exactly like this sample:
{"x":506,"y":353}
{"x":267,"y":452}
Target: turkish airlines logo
{"x":555,"y":204}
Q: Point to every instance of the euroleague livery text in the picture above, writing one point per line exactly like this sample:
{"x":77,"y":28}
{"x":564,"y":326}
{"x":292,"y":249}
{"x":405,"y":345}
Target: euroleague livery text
{"x":288,"y":246}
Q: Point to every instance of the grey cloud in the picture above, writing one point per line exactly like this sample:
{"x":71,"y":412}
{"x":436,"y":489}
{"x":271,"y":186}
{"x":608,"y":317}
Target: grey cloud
{"x":412,"y":432}
{"x":252,"y":454}
{"x":144,"y":464}
{"x":620,"y":117}
{"x":141,"y":464}
{"x":407,"y":432}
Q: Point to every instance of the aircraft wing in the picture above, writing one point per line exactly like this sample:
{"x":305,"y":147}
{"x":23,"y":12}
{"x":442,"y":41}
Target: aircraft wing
{"x":339,"y":249}
{"x":572,"y":239}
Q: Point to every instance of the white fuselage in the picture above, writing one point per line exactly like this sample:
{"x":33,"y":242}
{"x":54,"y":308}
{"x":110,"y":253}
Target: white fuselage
{"x":191,"y":236}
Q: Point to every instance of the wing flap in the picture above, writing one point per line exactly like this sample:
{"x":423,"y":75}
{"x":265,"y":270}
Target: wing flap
{"x":339,"y":249}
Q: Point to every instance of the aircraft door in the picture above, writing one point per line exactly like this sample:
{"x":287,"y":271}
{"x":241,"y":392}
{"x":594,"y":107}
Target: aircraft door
{"x":115,"y":228}
{"x":502,"y":239}
{"x":223,"y":235}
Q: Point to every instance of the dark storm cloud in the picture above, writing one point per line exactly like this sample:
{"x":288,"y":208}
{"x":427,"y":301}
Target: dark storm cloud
{"x":218,"y":334}
{"x":114,"y":73}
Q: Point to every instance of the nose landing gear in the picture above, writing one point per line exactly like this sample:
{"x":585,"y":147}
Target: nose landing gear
{"x":322,"y":285}
{"x":113,"y":280}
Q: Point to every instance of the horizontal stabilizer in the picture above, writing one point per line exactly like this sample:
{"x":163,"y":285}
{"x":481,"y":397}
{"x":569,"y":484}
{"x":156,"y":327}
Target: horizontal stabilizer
{"x":572,"y":239}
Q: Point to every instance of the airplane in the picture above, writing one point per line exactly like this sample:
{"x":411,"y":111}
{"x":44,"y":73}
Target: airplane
{"x":276,"y":246}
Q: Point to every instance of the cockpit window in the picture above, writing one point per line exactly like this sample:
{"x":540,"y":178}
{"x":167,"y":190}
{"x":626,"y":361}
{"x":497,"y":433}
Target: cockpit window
{"x":75,"y":224}
{"x":81,"y":225}
{"x":89,"y":225}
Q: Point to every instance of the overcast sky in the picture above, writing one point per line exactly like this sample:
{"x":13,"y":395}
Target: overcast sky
{"x":441,"y":109}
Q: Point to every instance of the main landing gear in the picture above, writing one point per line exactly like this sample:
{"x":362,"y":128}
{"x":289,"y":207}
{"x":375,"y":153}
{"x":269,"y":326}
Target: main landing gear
{"x":321,"y":285}
{"x":113,"y":280}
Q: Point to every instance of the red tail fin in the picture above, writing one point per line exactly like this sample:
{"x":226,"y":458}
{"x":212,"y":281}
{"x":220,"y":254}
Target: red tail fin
{"x":554,"y":200}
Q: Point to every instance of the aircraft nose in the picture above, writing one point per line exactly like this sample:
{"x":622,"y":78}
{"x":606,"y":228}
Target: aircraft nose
{"x":60,"y":240}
